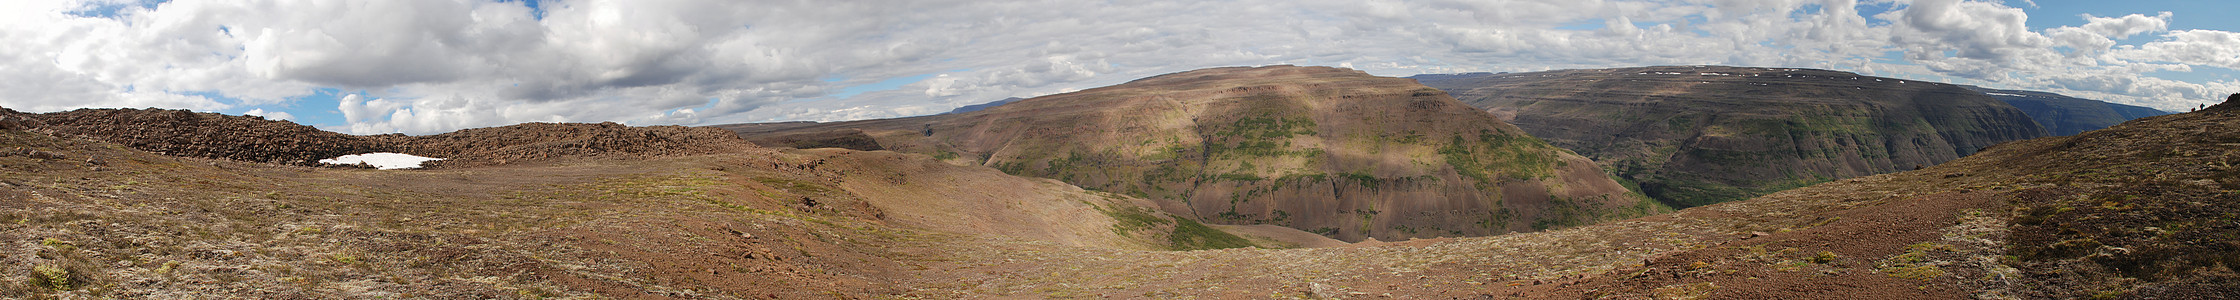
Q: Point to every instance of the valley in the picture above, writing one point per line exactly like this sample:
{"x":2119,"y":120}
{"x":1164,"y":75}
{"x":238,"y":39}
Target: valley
{"x":1331,"y":151}
{"x":1697,"y":135}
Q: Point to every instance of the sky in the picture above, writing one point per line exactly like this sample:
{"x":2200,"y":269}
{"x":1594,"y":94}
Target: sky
{"x":433,"y":66}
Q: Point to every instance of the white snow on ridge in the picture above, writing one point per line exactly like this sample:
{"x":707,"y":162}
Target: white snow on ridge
{"x":382,"y":160}
{"x":2005,"y":94}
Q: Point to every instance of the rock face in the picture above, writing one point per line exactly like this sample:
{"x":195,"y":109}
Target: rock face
{"x":1705,"y":134}
{"x":2064,"y":115}
{"x":1326,"y":150}
{"x":255,"y":139}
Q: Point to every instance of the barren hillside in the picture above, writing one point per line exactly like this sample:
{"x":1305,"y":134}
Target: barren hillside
{"x":1327,"y":150}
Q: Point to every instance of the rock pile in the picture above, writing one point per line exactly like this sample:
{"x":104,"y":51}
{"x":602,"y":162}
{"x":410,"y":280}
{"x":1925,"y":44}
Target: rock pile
{"x":210,"y":135}
{"x":12,"y":120}
{"x":534,"y":141}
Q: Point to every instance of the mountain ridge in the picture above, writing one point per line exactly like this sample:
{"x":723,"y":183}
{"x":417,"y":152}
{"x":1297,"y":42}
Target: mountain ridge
{"x":1694,"y":135}
{"x":1328,"y":150}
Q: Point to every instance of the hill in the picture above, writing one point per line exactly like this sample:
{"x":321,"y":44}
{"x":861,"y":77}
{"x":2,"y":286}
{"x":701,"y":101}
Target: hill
{"x":2140,"y":210}
{"x":2064,"y":115}
{"x":537,"y":210}
{"x":1332,"y":151}
{"x":1696,"y":135}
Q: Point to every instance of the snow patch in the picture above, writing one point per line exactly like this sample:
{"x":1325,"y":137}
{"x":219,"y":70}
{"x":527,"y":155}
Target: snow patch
{"x":382,"y":160}
{"x":2005,"y":94}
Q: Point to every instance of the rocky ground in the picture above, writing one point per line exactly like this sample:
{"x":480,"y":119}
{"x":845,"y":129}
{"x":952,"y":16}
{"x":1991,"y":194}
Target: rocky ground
{"x":2141,"y":210}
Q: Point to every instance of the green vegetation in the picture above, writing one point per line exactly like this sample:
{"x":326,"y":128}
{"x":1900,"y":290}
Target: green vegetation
{"x":1130,"y":219}
{"x":1690,"y":191}
{"x":51,"y":277}
{"x":1190,"y":235}
{"x":1823,"y":257}
{"x":1362,"y":178}
{"x":794,"y":186}
{"x":1187,"y":234}
{"x":1267,"y":128}
{"x":1915,"y":263}
{"x":1495,"y":157}
{"x":69,"y":270}
{"x":1260,"y":137}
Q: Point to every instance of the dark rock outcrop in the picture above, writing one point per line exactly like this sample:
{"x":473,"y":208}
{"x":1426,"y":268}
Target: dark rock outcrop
{"x":846,"y":138}
{"x":2064,"y":115}
{"x":1695,"y":135}
{"x":1327,"y":150}
{"x":12,"y":120}
{"x":210,"y":135}
{"x":537,"y":141}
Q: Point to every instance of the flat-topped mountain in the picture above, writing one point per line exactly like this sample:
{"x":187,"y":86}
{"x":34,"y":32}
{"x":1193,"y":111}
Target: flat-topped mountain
{"x":1695,"y":135}
{"x":978,"y":107}
{"x":2065,"y":115}
{"x":1327,"y":150}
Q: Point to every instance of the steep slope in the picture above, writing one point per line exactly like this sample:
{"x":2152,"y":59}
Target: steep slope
{"x":2140,"y":210}
{"x":1332,"y":151}
{"x":2064,"y":115}
{"x":1696,"y":135}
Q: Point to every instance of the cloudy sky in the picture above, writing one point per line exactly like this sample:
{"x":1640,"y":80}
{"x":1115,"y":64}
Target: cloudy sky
{"x":431,"y":66}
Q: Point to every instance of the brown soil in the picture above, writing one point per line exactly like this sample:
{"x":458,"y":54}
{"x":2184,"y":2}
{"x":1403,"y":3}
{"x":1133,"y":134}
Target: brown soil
{"x":2140,"y":210}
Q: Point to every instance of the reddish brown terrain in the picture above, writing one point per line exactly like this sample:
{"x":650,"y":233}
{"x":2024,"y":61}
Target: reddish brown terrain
{"x":2144,"y":209}
{"x":1327,"y":150}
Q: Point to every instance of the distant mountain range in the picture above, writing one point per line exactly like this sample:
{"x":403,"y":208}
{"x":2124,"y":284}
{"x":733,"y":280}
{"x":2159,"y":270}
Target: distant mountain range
{"x":2064,"y":115}
{"x":978,"y":107}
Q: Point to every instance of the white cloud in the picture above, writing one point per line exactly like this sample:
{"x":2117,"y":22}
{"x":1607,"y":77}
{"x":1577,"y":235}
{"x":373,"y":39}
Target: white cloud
{"x":2190,"y":47}
{"x":2125,"y":26}
{"x":427,"y":66}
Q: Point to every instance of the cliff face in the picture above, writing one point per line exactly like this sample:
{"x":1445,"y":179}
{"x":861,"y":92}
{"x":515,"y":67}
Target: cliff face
{"x":2064,"y":115}
{"x":1691,"y":136}
{"x":1332,"y":151}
